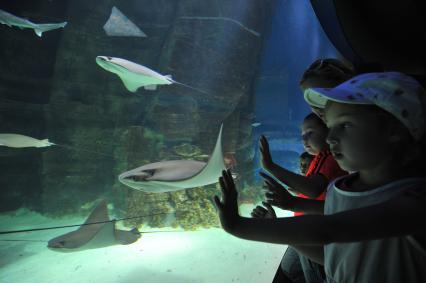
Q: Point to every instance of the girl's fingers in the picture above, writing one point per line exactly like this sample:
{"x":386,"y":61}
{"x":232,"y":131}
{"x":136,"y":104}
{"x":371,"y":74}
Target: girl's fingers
{"x":272,"y":188}
{"x":270,"y":179}
{"x":268,"y":206}
{"x":270,"y":195}
{"x":260,"y":209}
{"x":256,"y":215}
{"x":264,"y":142}
{"x":228,"y":179}
{"x":223,"y":188}
{"x":272,"y":202}
{"x":222,"y":184}
{"x":265,"y":176}
{"x":217,"y":202}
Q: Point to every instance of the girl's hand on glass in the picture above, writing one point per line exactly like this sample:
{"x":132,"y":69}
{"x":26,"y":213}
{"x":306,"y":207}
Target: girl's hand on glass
{"x":266,"y":159}
{"x":228,"y":206}
{"x":276,"y":194}
{"x":265,"y":211}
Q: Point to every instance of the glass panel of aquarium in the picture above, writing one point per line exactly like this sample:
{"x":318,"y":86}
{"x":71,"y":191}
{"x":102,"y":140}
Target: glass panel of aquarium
{"x":118,"y":117}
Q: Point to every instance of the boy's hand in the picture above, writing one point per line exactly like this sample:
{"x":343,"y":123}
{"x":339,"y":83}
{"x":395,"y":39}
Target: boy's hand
{"x":228,"y":207}
{"x":266,"y":160}
{"x":261,"y":212}
{"x":277,"y":195}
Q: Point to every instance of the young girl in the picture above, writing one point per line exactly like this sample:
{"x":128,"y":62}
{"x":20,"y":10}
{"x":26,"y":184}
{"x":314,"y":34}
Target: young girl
{"x":322,"y":170}
{"x":374,"y":227}
{"x":328,"y":72}
{"x":311,"y":185}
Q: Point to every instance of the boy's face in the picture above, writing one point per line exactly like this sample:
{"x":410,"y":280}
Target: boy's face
{"x":304,"y":164}
{"x":313,"y":136}
{"x":356,"y":139}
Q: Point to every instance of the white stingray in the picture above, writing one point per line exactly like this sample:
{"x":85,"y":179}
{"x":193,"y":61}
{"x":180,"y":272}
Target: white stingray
{"x":135,"y":76}
{"x":175,"y":175}
{"x":12,"y":20}
{"x":19,"y":141}
{"x":119,"y":25}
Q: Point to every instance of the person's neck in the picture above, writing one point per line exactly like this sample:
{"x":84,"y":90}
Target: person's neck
{"x":376,"y":177}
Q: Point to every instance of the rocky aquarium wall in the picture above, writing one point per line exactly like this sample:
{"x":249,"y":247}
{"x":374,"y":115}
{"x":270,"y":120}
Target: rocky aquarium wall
{"x":51,"y":87}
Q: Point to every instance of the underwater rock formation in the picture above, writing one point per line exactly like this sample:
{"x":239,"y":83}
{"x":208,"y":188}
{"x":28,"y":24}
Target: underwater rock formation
{"x":187,"y":150}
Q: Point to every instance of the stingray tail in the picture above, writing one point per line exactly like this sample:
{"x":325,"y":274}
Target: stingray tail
{"x":81,"y":149}
{"x":190,"y":87}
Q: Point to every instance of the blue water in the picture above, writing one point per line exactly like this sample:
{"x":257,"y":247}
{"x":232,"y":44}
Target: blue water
{"x":51,"y":87}
{"x":295,"y":40}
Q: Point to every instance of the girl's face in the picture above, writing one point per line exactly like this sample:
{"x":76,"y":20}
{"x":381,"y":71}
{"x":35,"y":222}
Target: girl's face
{"x":356,"y":139}
{"x":313,"y":137}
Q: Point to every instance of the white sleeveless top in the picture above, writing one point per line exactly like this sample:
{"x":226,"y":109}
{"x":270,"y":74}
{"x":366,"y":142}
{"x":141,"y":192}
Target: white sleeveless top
{"x":391,"y":260}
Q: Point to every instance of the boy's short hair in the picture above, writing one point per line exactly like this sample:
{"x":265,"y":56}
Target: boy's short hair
{"x":318,"y":120}
{"x":329,"y":69}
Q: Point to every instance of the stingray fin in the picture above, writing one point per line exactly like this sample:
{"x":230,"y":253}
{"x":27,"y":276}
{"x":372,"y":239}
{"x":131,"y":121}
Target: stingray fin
{"x":99,"y":214}
{"x":38,"y":32}
{"x":213,"y":170}
{"x":104,"y":237}
{"x":150,"y":87}
{"x":130,"y":85}
{"x":127,"y":237}
{"x":209,"y":174}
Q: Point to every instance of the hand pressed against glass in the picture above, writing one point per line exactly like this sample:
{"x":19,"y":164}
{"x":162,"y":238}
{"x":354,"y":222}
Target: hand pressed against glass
{"x":228,"y":206}
{"x":266,"y":158}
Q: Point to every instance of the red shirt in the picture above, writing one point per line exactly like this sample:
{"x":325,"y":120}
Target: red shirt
{"x":324,"y":164}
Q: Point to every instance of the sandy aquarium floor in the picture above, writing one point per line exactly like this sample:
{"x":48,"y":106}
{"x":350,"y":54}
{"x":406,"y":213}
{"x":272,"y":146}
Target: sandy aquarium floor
{"x":208,"y":255}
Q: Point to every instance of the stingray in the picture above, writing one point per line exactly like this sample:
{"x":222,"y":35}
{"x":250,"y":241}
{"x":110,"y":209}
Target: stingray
{"x":94,"y":236}
{"x":175,"y":175}
{"x":119,"y":25}
{"x":20,"y":141}
{"x":12,"y":20}
{"x":135,"y":76}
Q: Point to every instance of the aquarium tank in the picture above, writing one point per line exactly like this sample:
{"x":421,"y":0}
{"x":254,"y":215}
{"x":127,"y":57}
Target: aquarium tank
{"x":116,"y":119}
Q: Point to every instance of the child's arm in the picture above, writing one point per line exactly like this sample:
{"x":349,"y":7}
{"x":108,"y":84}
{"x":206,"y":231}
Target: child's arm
{"x":315,"y":253}
{"x":278,"y":196}
{"x":404,"y":215}
{"x":311,"y":187}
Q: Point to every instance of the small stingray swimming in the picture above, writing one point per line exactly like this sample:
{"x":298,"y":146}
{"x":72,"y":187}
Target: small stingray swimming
{"x":93,"y":236}
{"x":175,"y":175}
{"x":135,"y":76}
{"x":21,"y":141}
{"x":12,"y":20}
